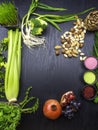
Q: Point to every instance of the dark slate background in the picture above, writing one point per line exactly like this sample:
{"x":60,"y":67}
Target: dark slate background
{"x":52,"y":76}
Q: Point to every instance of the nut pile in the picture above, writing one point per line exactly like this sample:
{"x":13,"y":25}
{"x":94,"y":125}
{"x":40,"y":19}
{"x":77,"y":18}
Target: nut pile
{"x":72,"y":41}
{"x":91,"y":21}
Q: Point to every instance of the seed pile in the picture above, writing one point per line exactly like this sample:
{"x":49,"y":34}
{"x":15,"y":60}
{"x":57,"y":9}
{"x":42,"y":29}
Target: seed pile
{"x":72,"y":41}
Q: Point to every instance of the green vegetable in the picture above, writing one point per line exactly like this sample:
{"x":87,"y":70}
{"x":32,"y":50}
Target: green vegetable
{"x":55,"y":19}
{"x":95,"y":53}
{"x":9,"y":116}
{"x":10,"y":113}
{"x":95,"y":47}
{"x":3,"y":48}
{"x":47,"y":7}
{"x":12,"y":75}
{"x":29,"y":32}
{"x":96,"y":99}
{"x":8,"y":14}
{"x":37,"y":26}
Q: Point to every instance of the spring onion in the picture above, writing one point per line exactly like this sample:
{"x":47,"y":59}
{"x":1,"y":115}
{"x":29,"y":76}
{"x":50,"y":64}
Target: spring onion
{"x":29,"y":32}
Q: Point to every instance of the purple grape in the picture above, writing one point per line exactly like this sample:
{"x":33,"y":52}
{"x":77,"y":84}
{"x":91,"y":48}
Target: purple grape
{"x":79,"y":104}
{"x":68,"y":107}
{"x":70,"y":116}
{"x":71,"y":108}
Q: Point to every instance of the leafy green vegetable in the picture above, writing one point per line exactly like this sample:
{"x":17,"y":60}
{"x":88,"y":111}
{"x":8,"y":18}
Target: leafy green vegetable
{"x":9,"y":116}
{"x":12,"y":75}
{"x":10,"y":113}
{"x":8,"y":14}
{"x":28,"y":32}
{"x":3,"y":47}
{"x":28,"y":99}
{"x":54,"y":19}
{"x":37,"y":26}
{"x":95,"y":48}
{"x":95,"y":53}
{"x":30,"y":29}
{"x":96,"y":99}
{"x":47,"y":7}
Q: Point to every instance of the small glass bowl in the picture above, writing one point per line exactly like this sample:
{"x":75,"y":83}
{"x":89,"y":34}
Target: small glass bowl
{"x":89,"y":92}
{"x":86,"y":77}
{"x":91,"y":63}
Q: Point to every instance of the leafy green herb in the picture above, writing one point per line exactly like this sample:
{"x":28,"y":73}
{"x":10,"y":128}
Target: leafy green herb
{"x":8,"y":14}
{"x":28,"y":99}
{"x":9,"y":116}
{"x":95,"y":48}
{"x":95,"y":53}
{"x":3,"y":48}
{"x":96,"y":99}
{"x":10,"y":113}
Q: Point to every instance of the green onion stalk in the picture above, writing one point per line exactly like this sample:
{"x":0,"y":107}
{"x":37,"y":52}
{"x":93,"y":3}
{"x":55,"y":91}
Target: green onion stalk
{"x":31,"y":40}
{"x":32,"y":31}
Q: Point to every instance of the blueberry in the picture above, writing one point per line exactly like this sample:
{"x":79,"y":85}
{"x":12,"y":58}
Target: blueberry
{"x":70,"y":116}
{"x":72,"y":102}
{"x":68,"y":107}
{"x":79,"y":104}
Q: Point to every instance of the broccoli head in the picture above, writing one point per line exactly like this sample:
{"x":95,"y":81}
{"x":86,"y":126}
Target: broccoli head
{"x":37,"y":26}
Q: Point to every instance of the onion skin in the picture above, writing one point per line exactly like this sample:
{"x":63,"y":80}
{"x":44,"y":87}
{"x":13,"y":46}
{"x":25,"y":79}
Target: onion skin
{"x":52,"y":109}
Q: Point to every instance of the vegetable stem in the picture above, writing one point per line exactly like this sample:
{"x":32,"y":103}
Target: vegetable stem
{"x":12,"y":74}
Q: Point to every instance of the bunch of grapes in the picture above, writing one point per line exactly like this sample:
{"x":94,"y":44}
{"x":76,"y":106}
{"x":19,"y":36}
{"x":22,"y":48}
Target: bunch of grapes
{"x":71,"y":108}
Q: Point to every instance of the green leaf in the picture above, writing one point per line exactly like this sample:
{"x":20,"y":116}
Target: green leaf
{"x":96,"y":100}
{"x":47,"y":7}
{"x":8,"y":14}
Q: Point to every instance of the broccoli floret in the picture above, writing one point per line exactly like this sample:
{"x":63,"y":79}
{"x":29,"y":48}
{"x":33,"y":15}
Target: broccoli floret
{"x":37,"y":31}
{"x":37,"y":26}
{"x":43,"y":23}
